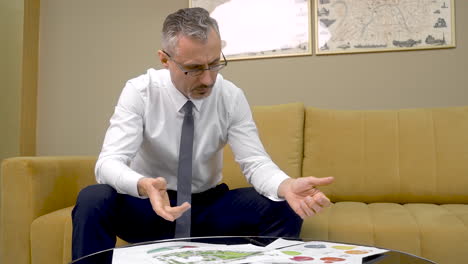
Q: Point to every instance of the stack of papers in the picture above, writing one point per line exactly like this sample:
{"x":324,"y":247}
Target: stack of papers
{"x":278,"y":252}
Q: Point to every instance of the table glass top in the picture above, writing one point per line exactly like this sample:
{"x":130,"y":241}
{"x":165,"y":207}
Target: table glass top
{"x":244,"y":249}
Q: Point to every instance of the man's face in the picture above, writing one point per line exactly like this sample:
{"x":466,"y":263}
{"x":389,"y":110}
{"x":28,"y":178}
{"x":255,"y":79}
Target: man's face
{"x":193,"y":54}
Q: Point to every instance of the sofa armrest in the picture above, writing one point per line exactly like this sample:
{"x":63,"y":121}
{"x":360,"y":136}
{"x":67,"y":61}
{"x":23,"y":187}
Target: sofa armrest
{"x":31,"y":187}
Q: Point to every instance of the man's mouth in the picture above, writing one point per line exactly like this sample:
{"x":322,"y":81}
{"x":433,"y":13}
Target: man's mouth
{"x":202,"y":89}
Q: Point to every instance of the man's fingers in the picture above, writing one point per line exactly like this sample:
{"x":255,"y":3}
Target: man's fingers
{"x":317,"y":208}
{"x":159,"y":208}
{"x":177,"y":211}
{"x":322,"y":200}
{"x":159,"y":202}
{"x":306,"y":209}
{"x":312,"y":205}
{"x":300,"y":211}
{"x":319,"y":181}
{"x":185,"y":206}
{"x":162,"y":212}
{"x":171,"y":213}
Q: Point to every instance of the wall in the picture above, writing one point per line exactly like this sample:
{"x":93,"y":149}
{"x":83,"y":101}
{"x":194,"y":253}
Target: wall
{"x":11,"y":34}
{"x":18,"y":68}
{"x":88,"y":49}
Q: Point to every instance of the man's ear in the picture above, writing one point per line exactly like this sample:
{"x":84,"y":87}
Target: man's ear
{"x":163,"y":58}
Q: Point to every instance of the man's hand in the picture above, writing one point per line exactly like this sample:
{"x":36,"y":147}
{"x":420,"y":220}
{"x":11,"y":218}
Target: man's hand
{"x":155,"y":189}
{"x":303,"y":196}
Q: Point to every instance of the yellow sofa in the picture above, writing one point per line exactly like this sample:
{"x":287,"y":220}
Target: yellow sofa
{"x":401,"y":182}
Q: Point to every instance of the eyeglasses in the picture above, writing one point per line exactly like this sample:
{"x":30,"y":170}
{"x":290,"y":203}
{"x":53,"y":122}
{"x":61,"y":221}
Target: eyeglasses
{"x":198,"y":70}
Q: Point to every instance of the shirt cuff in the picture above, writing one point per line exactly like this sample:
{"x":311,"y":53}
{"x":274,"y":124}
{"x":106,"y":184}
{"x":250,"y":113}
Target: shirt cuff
{"x":275,"y":183}
{"x":129,"y":183}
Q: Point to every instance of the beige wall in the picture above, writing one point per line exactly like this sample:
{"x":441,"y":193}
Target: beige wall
{"x":11,"y":35}
{"x":18,"y":70}
{"x":88,"y":49}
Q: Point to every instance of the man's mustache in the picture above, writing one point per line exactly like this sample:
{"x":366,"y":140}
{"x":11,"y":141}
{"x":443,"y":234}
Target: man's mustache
{"x":203,"y":87}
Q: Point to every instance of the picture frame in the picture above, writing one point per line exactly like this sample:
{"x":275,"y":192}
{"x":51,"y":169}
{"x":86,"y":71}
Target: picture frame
{"x":355,"y":26}
{"x":261,"y":28}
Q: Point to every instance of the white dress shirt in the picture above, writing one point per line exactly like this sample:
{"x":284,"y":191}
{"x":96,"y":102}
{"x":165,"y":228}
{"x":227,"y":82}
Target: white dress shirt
{"x":144,"y":135}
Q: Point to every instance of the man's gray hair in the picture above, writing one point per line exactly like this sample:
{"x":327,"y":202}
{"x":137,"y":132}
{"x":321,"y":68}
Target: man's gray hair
{"x":190,"y":22}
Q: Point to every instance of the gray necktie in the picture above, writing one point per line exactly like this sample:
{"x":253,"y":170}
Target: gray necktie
{"x":184,"y":173}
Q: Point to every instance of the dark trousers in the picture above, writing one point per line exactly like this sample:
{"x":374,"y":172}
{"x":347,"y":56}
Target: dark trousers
{"x":101,"y":214}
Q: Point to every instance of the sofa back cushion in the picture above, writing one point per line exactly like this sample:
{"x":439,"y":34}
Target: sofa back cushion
{"x":411,"y":155}
{"x":281,"y":129}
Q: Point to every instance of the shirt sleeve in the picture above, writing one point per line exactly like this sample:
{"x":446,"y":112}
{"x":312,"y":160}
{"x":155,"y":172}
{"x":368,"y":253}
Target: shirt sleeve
{"x":121,"y":143}
{"x":255,"y":163}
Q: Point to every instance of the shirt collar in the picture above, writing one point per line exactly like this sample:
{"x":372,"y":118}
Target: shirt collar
{"x":179,"y":99}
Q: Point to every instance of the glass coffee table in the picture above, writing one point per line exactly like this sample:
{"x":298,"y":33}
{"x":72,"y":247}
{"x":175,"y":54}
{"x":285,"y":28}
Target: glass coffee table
{"x":245,"y":249}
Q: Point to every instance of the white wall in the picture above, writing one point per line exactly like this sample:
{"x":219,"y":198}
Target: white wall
{"x":88,"y":49}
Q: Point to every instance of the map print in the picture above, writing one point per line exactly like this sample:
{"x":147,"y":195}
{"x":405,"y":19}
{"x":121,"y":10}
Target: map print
{"x":378,"y":25}
{"x":204,"y":256}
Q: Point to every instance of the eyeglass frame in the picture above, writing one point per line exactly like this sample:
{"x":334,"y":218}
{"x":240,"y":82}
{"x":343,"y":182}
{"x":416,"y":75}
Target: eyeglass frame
{"x":198,"y":72}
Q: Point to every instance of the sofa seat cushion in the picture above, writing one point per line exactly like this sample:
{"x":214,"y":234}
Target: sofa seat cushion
{"x":51,"y":237}
{"x":49,"y":234}
{"x":435,"y":232}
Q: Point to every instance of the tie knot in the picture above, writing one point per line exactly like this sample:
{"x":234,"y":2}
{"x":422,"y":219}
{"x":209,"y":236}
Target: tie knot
{"x":188,"y":108}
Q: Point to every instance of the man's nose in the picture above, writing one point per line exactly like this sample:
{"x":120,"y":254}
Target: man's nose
{"x":208,"y":77}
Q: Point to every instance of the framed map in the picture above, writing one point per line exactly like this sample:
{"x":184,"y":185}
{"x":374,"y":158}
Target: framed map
{"x":261,"y":28}
{"x":344,"y":26}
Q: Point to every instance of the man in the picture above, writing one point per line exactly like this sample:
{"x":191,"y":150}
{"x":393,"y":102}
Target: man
{"x":140,"y":155}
